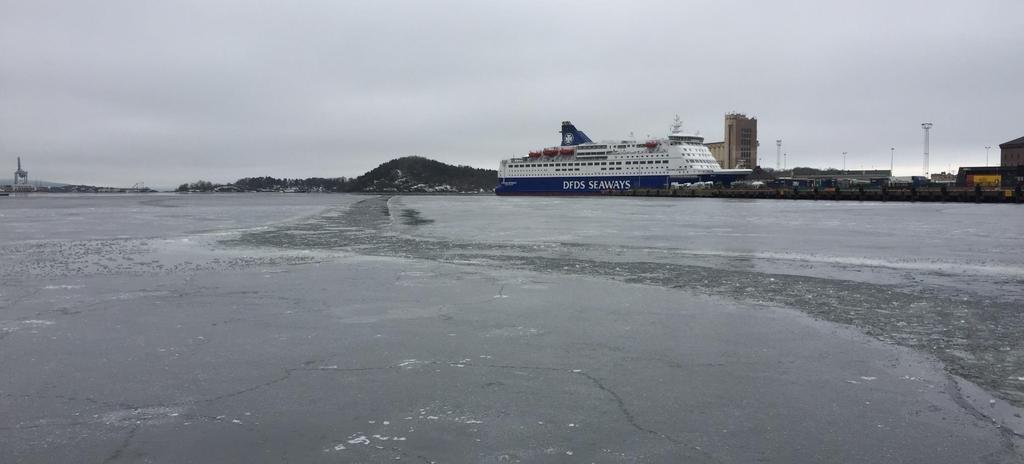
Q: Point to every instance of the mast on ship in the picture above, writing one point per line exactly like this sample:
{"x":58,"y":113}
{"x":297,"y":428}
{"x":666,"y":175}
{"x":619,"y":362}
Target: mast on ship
{"x":677,"y":125}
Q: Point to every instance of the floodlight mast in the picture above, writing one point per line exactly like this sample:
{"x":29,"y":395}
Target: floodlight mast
{"x":927,"y":127}
{"x":778,"y":154}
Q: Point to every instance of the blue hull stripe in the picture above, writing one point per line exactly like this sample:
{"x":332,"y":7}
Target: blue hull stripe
{"x":577,"y":185}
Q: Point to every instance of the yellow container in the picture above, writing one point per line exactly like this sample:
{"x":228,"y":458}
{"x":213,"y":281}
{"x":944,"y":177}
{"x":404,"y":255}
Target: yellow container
{"x":985,"y":180}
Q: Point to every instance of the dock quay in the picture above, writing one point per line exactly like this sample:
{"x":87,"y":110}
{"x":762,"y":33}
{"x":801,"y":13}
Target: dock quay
{"x":924,"y":194}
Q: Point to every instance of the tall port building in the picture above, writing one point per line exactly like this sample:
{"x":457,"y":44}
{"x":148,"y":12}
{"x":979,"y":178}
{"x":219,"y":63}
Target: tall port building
{"x":1012,"y":153}
{"x":738,"y":150}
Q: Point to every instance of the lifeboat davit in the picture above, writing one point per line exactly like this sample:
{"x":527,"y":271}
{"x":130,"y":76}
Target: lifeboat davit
{"x":550,"y":151}
{"x":567,"y":150}
{"x":650,"y":144}
{"x":534,"y":154}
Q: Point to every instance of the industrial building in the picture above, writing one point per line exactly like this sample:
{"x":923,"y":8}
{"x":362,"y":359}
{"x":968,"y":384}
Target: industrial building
{"x":866,"y":175}
{"x":991,"y":176}
{"x":943,"y":178}
{"x":718,"y":151}
{"x":1012,"y":153}
{"x":739,"y":149}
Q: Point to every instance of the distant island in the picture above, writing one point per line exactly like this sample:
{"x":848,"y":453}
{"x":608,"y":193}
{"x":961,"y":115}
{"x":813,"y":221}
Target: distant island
{"x":410,"y":174}
{"x":56,"y":187}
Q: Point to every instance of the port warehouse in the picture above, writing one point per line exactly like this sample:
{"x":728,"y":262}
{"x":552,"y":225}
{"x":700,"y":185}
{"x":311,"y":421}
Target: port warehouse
{"x":966,"y":177}
{"x":991,"y":176}
{"x":995,"y":184}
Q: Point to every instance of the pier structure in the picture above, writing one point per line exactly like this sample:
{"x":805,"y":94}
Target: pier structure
{"x":977,"y":194}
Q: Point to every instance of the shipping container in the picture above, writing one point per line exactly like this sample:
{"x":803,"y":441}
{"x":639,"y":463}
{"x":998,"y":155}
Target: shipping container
{"x":984,"y":180}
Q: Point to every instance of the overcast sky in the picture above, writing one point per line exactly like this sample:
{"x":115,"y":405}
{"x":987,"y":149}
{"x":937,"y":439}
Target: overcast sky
{"x":117,"y":92}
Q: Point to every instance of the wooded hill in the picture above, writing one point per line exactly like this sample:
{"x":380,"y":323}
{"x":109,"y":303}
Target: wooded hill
{"x":419,"y":174}
{"x":406,"y":174}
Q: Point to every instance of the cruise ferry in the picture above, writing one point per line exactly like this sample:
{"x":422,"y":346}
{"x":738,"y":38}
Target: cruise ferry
{"x":582,"y":166}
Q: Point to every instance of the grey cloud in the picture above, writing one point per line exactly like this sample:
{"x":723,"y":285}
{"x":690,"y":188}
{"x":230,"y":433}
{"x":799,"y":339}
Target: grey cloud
{"x":114,"y":92}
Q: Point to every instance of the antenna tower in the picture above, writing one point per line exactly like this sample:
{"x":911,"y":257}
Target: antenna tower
{"x":677,"y":125}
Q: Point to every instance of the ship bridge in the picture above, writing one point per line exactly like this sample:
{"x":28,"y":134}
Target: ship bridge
{"x":677,"y":136}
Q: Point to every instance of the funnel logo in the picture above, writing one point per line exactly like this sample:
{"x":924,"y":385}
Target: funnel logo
{"x":568,"y":138}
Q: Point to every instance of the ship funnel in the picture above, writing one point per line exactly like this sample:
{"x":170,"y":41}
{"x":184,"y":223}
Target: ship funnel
{"x":572,"y":136}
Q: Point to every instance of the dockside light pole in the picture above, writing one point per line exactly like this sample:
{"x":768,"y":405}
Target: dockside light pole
{"x":844,"y":162}
{"x":892,"y":156}
{"x":778,"y":154}
{"x":986,"y":155}
{"x":927,"y":128}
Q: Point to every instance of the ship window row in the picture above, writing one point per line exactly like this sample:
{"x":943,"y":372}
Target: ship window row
{"x":648,"y":162}
{"x":552,"y":165}
{"x":636,"y":169}
{"x":617,"y":168}
{"x":595,"y":163}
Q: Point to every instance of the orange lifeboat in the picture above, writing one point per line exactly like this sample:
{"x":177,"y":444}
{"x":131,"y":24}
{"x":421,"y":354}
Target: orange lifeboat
{"x":567,"y":150}
{"x":534,"y":154}
{"x":651,"y":144}
{"x":550,"y":151}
